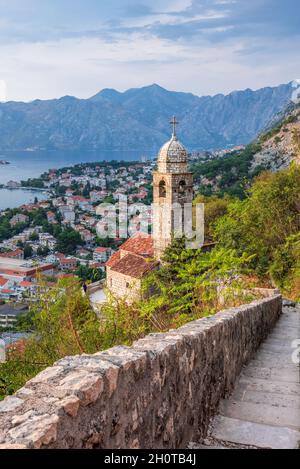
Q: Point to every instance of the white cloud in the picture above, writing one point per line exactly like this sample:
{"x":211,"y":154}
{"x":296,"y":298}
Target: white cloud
{"x":177,"y":5}
{"x":81,"y":66}
{"x":169,"y":19}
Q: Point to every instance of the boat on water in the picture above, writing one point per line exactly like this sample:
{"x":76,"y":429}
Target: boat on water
{"x":4,"y":162}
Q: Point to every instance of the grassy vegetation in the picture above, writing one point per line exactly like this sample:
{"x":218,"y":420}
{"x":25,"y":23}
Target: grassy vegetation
{"x":296,"y":140}
{"x":266,"y":225}
{"x":232,"y":173}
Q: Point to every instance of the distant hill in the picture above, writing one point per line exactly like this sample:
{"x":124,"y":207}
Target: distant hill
{"x":138,"y":119}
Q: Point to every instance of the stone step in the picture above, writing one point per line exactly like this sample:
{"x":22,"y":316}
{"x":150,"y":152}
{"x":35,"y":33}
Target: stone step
{"x":267,"y":385}
{"x":275,"y":348}
{"x":286,"y":332}
{"x":278,"y":345}
{"x":274,"y":364}
{"x":244,"y":394}
{"x":287,"y":338}
{"x":273,"y":374}
{"x":213,"y":446}
{"x":284,"y":326}
{"x":277,"y":366}
{"x":254,"y":434}
{"x":290,"y":315}
{"x":291,"y":320}
{"x":261,"y":413}
{"x":275,"y":358}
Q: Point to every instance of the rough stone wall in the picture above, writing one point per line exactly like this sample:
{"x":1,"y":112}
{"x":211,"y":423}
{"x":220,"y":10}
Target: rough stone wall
{"x":159,"y":393}
{"x":122,"y":285}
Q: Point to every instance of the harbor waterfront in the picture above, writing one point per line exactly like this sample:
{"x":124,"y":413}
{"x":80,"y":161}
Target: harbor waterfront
{"x":24,"y":165}
{"x":14,"y":198}
{"x":30,"y":164}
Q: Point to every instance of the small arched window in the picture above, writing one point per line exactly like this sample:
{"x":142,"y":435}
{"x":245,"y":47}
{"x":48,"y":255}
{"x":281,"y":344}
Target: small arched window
{"x":182,"y":187}
{"x":162,"y":189}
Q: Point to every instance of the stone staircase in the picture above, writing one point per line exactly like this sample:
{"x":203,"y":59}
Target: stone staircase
{"x":264,"y":409}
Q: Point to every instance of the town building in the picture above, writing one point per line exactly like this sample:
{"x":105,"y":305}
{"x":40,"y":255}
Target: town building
{"x":129,"y":265}
{"x":102,"y":254}
{"x":15,"y":269}
{"x":9,"y":314}
{"x":15,"y":254}
{"x":18,"y":219}
{"x":68,"y":263}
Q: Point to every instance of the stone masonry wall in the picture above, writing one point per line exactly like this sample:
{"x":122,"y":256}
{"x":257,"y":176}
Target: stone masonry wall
{"x":123,"y":286}
{"x":159,"y":393}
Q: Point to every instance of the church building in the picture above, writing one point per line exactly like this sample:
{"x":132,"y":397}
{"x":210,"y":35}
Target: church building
{"x":141,"y":254}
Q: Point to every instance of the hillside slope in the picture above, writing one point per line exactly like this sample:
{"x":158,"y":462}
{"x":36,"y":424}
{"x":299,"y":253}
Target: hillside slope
{"x":281,"y":145}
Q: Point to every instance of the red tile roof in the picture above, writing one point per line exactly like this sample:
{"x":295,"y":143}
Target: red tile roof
{"x":113,"y":259}
{"x":3,"y":281}
{"x":12,"y":254}
{"x":141,"y":244}
{"x":68,"y":261}
{"x":101,"y":249}
{"x":26,"y":284}
{"x":134,"y":266}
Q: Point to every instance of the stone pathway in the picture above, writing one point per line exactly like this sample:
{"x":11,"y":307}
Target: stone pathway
{"x":264,"y":409}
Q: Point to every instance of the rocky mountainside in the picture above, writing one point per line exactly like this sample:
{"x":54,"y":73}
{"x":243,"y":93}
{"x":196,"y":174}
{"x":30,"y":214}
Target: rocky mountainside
{"x":281,"y":144}
{"x":274,"y":149}
{"x":138,"y":119}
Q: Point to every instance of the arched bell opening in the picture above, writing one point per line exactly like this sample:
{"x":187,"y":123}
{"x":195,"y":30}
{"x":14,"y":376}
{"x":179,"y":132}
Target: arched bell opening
{"x":162,"y":189}
{"x":182,"y":188}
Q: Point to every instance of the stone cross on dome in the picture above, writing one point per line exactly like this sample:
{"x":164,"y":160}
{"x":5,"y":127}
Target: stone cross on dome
{"x":174,"y":122}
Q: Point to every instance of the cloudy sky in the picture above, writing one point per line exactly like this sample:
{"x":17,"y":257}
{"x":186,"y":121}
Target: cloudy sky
{"x":49,"y":48}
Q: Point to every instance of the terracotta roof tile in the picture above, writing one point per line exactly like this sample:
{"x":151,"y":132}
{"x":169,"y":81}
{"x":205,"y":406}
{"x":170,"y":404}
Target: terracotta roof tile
{"x":101,"y":249}
{"x":141,"y":244}
{"x":134,"y":266}
{"x":3,"y":281}
{"x":113,"y":259}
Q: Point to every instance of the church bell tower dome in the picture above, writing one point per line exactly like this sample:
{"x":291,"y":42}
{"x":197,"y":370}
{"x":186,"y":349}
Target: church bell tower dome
{"x":172,"y":190}
{"x":173,"y":156}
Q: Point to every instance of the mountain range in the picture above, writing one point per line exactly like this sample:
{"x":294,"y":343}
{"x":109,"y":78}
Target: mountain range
{"x":138,"y":119}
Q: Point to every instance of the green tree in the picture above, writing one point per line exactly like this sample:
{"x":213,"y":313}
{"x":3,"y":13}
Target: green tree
{"x":68,"y":240}
{"x":86,"y":273}
{"x":27,"y":251}
{"x":263,"y":222}
{"x":192,"y":283}
{"x":214,"y":208}
{"x":43,"y":251}
{"x":34,"y":236}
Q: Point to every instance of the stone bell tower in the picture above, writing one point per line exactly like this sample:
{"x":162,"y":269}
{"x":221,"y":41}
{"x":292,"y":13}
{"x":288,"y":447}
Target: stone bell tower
{"x":173,"y":188}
